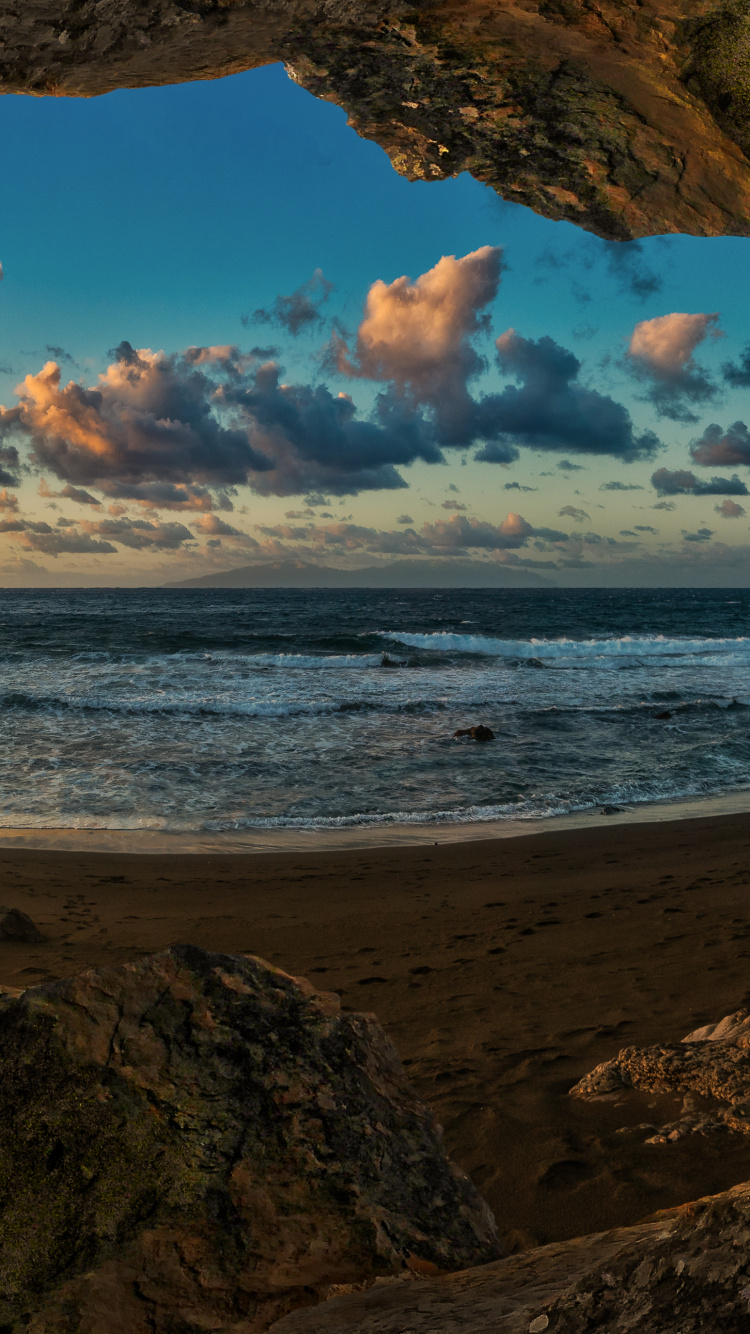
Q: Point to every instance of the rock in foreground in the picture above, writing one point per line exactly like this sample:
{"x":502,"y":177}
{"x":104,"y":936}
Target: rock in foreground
{"x":685,"y":1272}
{"x":711,"y":1066}
{"x":198,"y":1141}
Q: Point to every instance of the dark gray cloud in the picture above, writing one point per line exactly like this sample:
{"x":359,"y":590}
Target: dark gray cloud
{"x":620,"y":486}
{"x":298,"y":311}
{"x":516,"y":486}
{"x":702,"y":535}
{"x":565,"y":465}
{"x":573,"y":512}
{"x":141,"y":534}
{"x":632,"y":275}
{"x":644,"y":528}
{"x":60,"y":354}
{"x":552,"y":409}
{"x":680,"y":482}
{"x":738,"y":374}
{"x":720,"y":449}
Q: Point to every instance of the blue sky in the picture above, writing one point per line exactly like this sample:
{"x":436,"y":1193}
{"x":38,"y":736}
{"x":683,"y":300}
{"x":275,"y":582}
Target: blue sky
{"x":162,"y":216}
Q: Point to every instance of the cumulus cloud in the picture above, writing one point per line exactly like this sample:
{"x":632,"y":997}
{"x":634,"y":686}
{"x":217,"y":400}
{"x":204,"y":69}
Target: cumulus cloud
{"x":298,"y":311}
{"x":456,"y":534}
{"x":717,"y":448}
{"x":680,"y":482}
{"x":417,"y":337}
{"x":702,"y":535}
{"x":552,"y":409}
{"x":212,"y":526}
{"x":565,"y":465}
{"x":573,"y":513}
{"x":8,"y":501}
{"x":404,"y":518}
{"x":516,"y":486}
{"x":63,"y":542}
{"x":182,"y":431}
{"x":453,"y":505}
{"x":729,"y":509}
{"x":661,"y":353}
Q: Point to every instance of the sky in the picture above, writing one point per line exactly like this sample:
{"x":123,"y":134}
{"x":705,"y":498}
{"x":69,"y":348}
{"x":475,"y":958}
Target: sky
{"x":230,"y":333}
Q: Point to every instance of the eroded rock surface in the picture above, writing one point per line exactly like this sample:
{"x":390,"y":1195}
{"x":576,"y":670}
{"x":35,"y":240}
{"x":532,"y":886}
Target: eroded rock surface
{"x":711,"y":1066}
{"x":198,"y":1141}
{"x":685,"y":1272}
{"x":627,"y":117}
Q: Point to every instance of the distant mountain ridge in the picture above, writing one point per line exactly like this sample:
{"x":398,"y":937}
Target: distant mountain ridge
{"x":397,"y":574}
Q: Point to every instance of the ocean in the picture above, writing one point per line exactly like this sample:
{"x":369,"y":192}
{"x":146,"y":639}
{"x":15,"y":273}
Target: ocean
{"x":233,"y":709}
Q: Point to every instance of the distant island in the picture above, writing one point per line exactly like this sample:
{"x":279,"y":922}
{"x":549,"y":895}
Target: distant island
{"x":395,"y":574}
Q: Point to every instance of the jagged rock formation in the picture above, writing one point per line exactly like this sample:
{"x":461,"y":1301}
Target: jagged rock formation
{"x":627,"y":117}
{"x":685,"y":1272}
{"x":711,"y":1066}
{"x":198,"y":1141}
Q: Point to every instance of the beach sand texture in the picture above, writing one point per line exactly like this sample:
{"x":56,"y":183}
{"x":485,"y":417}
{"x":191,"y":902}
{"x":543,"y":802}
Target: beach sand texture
{"x":503,"y":969}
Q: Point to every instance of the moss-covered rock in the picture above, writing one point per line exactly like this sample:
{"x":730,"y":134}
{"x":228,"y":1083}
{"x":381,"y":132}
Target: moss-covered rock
{"x":198,"y":1141}
{"x":718,"y":67}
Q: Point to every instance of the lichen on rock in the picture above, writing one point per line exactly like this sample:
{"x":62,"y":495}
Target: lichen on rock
{"x":200,"y":1141}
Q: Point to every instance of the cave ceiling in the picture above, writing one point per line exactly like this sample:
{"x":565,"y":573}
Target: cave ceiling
{"x":628,"y":118}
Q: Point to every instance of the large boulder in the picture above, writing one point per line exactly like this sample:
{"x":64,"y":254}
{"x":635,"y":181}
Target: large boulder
{"x":198,"y":1141}
{"x":687,"y":1271}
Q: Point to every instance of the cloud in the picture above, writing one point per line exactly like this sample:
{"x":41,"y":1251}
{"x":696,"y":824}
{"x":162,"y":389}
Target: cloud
{"x":702,"y":535}
{"x":565,"y":465}
{"x":516,"y":486}
{"x":7,"y":500}
{"x":404,"y":518}
{"x":646,"y":527}
{"x":661,"y":353}
{"x":456,"y":534}
{"x":59,"y":542}
{"x":620,"y":486}
{"x":717,"y":448}
{"x":665,"y":505}
{"x":453,"y":505}
{"x":573,"y":513}
{"x":300,"y":310}
{"x":212,"y":526}
{"x":738,"y":375}
{"x":68,"y":493}
{"x":417,"y":337}
{"x":626,"y":265}
{"x":729,"y":509}
{"x":552,"y":410}
{"x":680,"y":482}
{"x":140,"y":534}
{"x":60,"y":354}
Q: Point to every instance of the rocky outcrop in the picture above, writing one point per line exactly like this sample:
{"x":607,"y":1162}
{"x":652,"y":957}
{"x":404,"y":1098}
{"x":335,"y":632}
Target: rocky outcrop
{"x":198,"y":1141}
{"x":711,"y":1066}
{"x":685,"y":1272}
{"x":627,"y":117}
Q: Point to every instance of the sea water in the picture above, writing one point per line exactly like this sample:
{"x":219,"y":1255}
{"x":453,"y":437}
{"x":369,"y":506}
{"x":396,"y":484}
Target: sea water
{"x":236,"y":709}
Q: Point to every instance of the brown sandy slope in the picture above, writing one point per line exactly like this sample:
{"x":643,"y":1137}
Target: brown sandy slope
{"x":627,"y":117}
{"x":504,"y":971}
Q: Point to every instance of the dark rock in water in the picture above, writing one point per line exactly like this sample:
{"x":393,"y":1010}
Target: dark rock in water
{"x":480,"y":733}
{"x":198,"y":1141}
{"x":388,"y":661}
{"x":662,"y":717}
{"x":17,"y":925}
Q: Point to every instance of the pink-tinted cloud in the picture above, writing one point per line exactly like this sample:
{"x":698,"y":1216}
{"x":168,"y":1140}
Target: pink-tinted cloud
{"x":717,"y":448}
{"x":729,"y":509}
{"x":661,"y":352}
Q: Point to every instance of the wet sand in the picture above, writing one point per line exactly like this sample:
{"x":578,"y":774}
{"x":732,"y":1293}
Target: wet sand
{"x":503,"y":969}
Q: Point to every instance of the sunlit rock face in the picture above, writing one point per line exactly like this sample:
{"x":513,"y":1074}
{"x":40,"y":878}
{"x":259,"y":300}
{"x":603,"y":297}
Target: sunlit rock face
{"x":627,"y":117}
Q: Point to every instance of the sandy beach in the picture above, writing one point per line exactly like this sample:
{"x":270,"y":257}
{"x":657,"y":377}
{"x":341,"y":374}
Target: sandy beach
{"x":504,"y":969}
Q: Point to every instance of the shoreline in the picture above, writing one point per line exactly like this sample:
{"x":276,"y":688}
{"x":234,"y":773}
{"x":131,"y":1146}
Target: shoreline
{"x":504,"y":969}
{"x":363,"y":837}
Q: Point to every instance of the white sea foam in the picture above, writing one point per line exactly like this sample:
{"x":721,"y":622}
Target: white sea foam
{"x":588,"y":652}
